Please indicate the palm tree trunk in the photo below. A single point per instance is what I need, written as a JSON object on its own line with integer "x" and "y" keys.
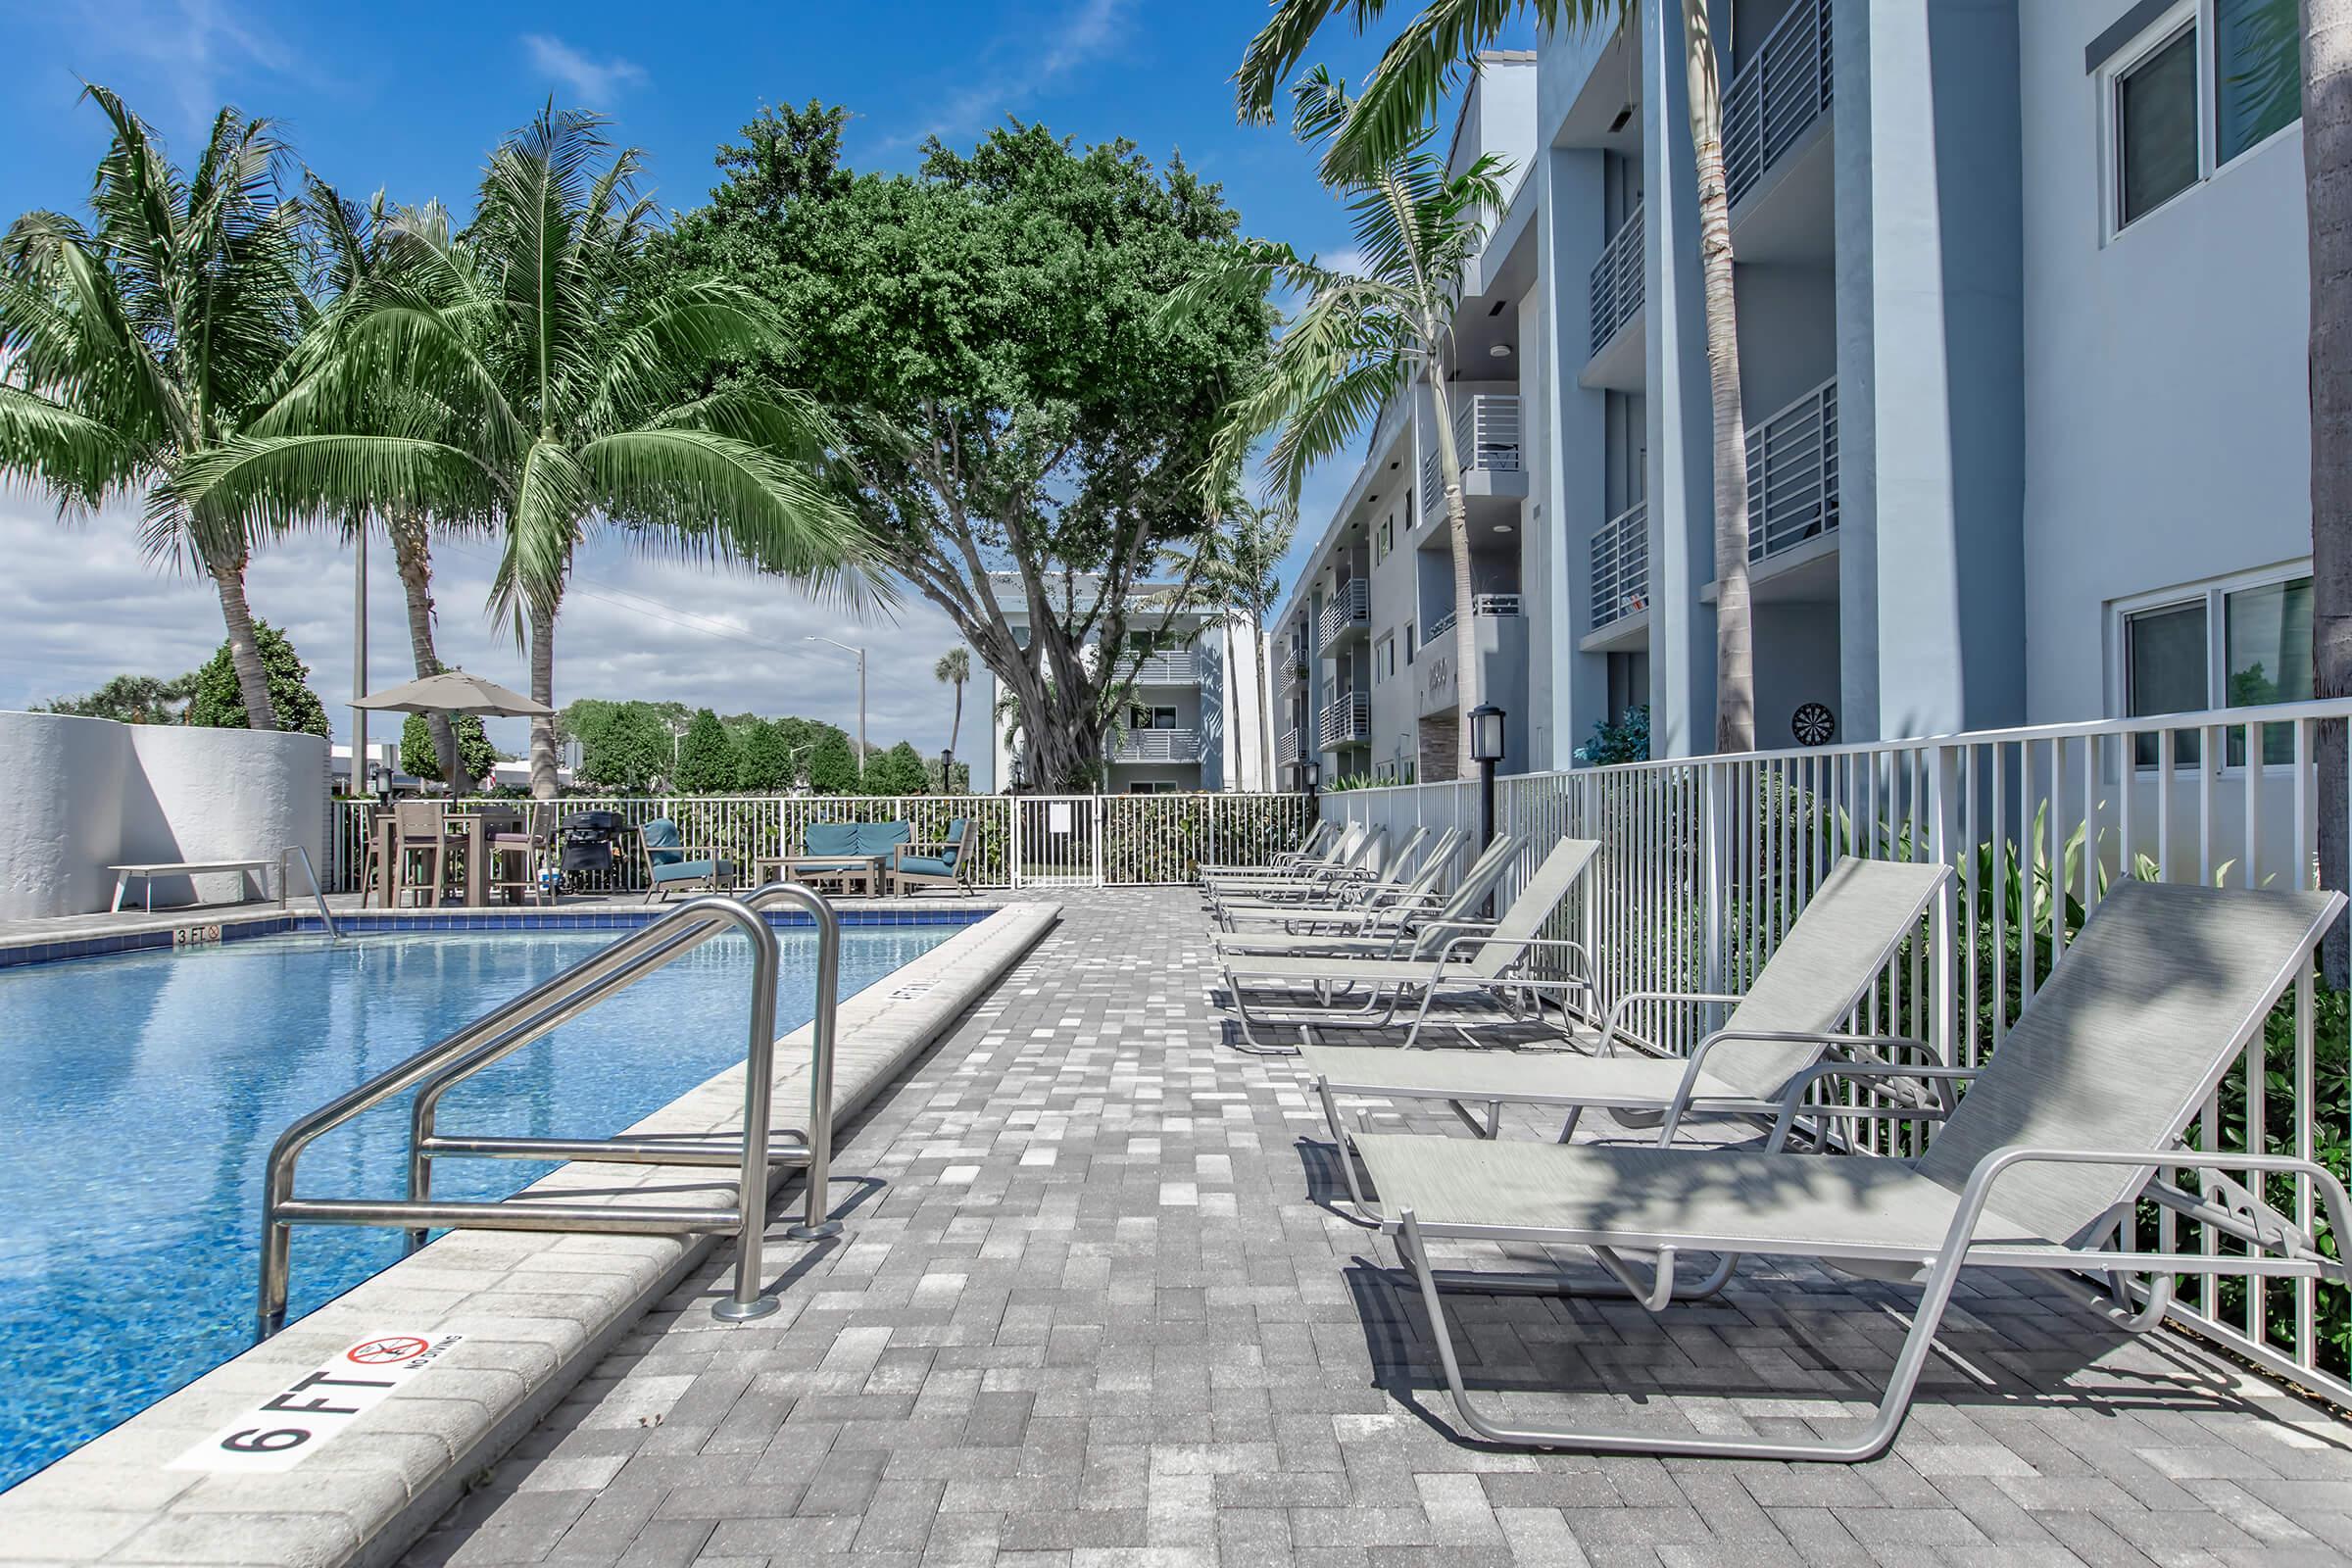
{"x": 543, "y": 691}
{"x": 2327, "y": 192}
{"x": 954, "y": 730}
{"x": 1734, "y": 645}
{"x": 244, "y": 649}
{"x": 1465, "y": 624}
{"x": 412, "y": 556}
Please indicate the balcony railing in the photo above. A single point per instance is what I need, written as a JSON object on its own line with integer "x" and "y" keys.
{"x": 1617, "y": 282}
{"x": 1158, "y": 746}
{"x": 1479, "y": 604}
{"x": 1178, "y": 668}
{"x": 1621, "y": 566}
{"x": 1792, "y": 473}
{"x": 1486, "y": 438}
{"x": 1783, "y": 91}
{"x": 1349, "y": 612}
{"x": 1286, "y": 750}
{"x": 1346, "y": 720}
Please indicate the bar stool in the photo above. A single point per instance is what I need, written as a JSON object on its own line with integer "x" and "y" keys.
{"x": 419, "y": 835}
{"x": 515, "y": 840}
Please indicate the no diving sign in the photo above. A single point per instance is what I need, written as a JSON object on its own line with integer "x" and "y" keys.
{"x": 312, "y": 1411}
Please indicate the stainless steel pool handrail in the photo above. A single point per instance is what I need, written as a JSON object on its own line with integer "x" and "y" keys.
{"x": 814, "y": 1148}
{"x": 532, "y": 1014}
{"x": 285, "y": 884}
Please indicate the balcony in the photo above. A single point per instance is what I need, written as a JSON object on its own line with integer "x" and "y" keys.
{"x": 1791, "y": 475}
{"x": 1479, "y": 604}
{"x": 1781, "y": 93}
{"x": 1157, "y": 746}
{"x": 1486, "y": 438}
{"x": 1348, "y": 615}
{"x": 1346, "y": 721}
{"x": 1621, "y": 566}
{"x": 1286, "y": 750}
{"x": 1617, "y": 282}
{"x": 1178, "y": 668}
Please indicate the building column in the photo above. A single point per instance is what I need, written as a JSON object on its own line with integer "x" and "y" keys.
{"x": 1930, "y": 368}
{"x": 1569, "y": 499}
{"x": 1680, "y": 420}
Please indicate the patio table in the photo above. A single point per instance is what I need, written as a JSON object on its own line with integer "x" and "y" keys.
{"x": 467, "y": 829}
{"x": 857, "y": 873}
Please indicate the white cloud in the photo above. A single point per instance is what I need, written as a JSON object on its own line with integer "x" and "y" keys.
{"x": 183, "y": 50}
{"x": 80, "y": 605}
{"x": 595, "y": 84}
{"x": 1083, "y": 34}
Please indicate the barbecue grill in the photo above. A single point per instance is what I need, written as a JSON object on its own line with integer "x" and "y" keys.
{"x": 588, "y": 840}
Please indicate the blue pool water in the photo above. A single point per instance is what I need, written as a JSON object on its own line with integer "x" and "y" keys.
{"x": 139, "y": 1096}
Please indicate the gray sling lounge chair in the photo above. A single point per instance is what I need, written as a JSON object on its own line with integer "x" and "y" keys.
{"x": 1404, "y": 927}
{"x": 1228, "y": 899}
{"x": 1494, "y": 960}
{"x": 1855, "y": 921}
{"x": 1412, "y": 874}
{"x": 2062, "y": 1135}
{"x": 1357, "y": 857}
{"x": 1319, "y": 837}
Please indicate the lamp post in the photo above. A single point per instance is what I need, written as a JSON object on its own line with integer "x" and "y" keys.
{"x": 946, "y": 771}
{"x": 861, "y": 652}
{"x": 1485, "y": 750}
{"x": 1020, "y": 771}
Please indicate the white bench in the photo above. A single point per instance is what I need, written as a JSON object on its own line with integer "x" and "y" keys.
{"x": 148, "y": 870}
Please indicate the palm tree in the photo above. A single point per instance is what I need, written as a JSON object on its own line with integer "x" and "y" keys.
{"x": 2327, "y": 87}
{"x": 954, "y": 669}
{"x": 359, "y": 243}
{"x": 1361, "y": 339}
{"x": 138, "y": 343}
{"x": 555, "y": 395}
{"x": 1437, "y": 46}
{"x": 1243, "y": 572}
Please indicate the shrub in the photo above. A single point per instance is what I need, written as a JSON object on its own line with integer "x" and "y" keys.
{"x": 219, "y": 704}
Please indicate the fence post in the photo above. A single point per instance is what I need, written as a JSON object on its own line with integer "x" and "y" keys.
{"x": 1100, "y": 815}
{"x": 1943, "y": 934}
{"x": 1714, "y": 863}
{"x": 1012, "y": 841}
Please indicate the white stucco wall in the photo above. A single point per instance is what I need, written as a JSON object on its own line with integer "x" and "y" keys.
{"x": 86, "y": 793}
{"x": 2167, "y": 418}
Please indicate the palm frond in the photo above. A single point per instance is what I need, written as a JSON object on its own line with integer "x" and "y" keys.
{"x": 275, "y": 483}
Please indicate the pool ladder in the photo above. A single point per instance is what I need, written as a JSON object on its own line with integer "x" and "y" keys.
{"x": 756, "y": 1156}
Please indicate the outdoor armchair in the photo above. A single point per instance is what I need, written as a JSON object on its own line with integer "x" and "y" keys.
{"x": 1473, "y": 956}
{"x": 1826, "y": 963}
{"x": 945, "y": 862}
{"x": 2046, "y": 1156}
{"x": 672, "y": 866}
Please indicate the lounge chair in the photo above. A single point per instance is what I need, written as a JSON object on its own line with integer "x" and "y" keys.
{"x": 1382, "y": 904}
{"x": 1318, "y": 839}
{"x": 946, "y": 862}
{"x": 1404, "y": 927}
{"x": 672, "y": 866}
{"x": 1784, "y": 1025}
{"x": 2043, "y": 1159}
{"x": 1357, "y": 857}
{"x": 1494, "y": 960}
{"x": 1226, "y": 903}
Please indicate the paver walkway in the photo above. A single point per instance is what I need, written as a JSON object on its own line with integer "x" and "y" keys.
{"x": 1089, "y": 1310}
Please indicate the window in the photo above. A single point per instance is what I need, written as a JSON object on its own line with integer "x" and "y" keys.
{"x": 2210, "y": 81}
{"x": 1409, "y": 508}
{"x": 1384, "y": 658}
{"x": 1410, "y": 647}
{"x": 1388, "y": 536}
{"x": 2241, "y": 643}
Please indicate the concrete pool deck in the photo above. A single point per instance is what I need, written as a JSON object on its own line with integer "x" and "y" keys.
{"x": 536, "y": 1311}
{"x": 1098, "y": 1315}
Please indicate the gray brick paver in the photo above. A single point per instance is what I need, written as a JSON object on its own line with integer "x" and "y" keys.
{"x": 1090, "y": 1311}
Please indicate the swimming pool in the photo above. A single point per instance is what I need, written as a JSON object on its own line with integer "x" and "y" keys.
{"x": 139, "y": 1096}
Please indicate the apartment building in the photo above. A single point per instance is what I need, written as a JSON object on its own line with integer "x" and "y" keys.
{"x": 1195, "y": 719}
{"x": 2022, "y": 326}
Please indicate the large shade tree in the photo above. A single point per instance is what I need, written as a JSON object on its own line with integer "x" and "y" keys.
{"x": 137, "y": 342}
{"x": 1363, "y": 336}
{"x": 555, "y": 386}
{"x": 1436, "y": 47}
{"x": 1032, "y": 432}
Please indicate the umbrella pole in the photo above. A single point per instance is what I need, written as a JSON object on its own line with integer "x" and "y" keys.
{"x": 359, "y": 660}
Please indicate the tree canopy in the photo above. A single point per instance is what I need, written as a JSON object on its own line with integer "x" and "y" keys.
{"x": 132, "y": 699}
{"x": 1030, "y": 425}
{"x": 219, "y": 702}
{"x": 708, "y": 759}
{"x": 421, "y": 757}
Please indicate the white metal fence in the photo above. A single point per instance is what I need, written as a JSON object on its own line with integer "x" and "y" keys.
{"x": 1706, "y": 862}
{"x": 1021, "y": 841}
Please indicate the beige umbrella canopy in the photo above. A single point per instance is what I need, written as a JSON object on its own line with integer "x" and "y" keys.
{"x": 453, "y": 691}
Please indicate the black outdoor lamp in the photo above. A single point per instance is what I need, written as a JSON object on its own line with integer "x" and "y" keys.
{"x": 1311, "y": 776}
{"x": 946, "y": 771}
{"x": 1485, "y": 750}
{"x": 1020, "y": 774}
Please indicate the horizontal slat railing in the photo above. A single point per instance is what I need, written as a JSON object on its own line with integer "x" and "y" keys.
{"x": 1706, "y": 862}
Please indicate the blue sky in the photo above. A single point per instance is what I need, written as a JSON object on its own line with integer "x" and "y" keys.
{"x": 411, "y": 97}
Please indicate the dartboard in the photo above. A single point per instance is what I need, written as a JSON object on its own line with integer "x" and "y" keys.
{"x": 1814, "y": 725}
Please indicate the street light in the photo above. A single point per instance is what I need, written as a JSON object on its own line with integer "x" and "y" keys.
{"x": 1020, "y": 774}
{"x": 946, "y": 771}
{"x": 861, "y": 652}
{"x": 1485, "y": 750}
{"x": 1311, "y": 776}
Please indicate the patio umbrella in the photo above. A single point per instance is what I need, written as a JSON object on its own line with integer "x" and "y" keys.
{"x": 453, "y": 691}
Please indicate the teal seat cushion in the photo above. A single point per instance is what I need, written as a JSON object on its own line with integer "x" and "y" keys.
{"x": 954, "y": 840}
{"x": 688, "y": 871}
{"x": 880, "y": 838}
{"x": 831, "y": 838}
{"x": 661, "y": 843}
{"x": 925, "y": 865}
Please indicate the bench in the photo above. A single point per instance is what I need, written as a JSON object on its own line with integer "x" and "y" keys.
{"x": 148, "y": 870}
